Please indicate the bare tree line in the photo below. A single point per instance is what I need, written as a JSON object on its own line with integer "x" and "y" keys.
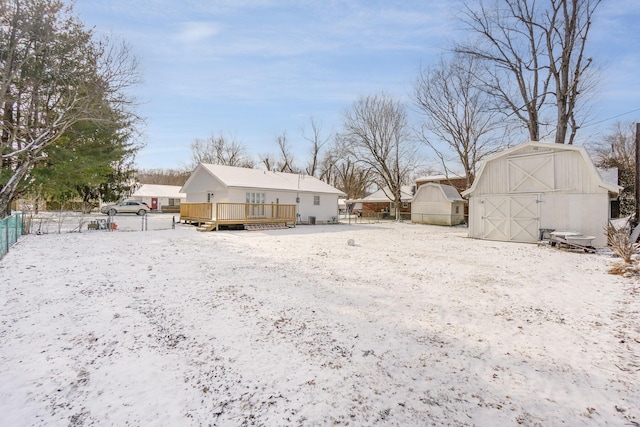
{"x": 523, "y": 66}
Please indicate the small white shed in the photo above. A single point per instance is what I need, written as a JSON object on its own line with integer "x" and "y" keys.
{"x": 437, "y": 204}
{"x": 539, "y": 186}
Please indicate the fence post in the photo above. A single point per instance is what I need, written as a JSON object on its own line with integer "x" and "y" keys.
{"x": 6, "y": 234}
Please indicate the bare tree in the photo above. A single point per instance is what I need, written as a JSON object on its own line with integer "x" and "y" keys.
{"x": 535, "y": 56}
{"x": 376, "y": 133}
{"x": 339, "y": 170}
{"x": 618, "y": 150}
{"x": 268, "y": 161}
{"x": 352, "y": 179}
{"x": 284, "y": 161}
{"x": 52, "y": 76}
{"x": 457, "y": 113}
{"x": 220, "y": 150}
{"x": 318, "y": 142}
{"x": 163, "y": 176}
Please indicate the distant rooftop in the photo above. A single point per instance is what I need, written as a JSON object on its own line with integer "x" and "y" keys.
{"x": 442, "y": 177}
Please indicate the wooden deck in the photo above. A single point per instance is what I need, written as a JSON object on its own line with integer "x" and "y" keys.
{"x": 244, "y": 214}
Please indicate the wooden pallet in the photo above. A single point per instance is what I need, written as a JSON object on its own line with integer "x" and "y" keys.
{"x": 560, "y": 242}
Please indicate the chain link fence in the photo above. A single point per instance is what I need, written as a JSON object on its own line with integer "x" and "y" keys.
{"x": 11, "y": 228}
{"x": 77, "y": 222}
{"x": 432, "y": 219}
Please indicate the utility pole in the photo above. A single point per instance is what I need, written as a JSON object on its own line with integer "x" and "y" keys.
{"x": 636, "y": 220}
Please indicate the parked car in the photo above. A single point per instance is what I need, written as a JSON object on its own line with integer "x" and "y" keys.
{"x": 128, "y": 206}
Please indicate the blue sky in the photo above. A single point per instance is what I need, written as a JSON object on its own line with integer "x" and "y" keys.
{"x": 253, "y": 69}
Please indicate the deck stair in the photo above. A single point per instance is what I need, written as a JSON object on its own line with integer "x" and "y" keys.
{"x": 207, "y": 226}
{"x": 260, "y": 227}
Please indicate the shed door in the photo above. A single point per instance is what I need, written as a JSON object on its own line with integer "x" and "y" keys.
{"x": 524, "y": 219}
{"x": 511, "y": 218}
{"x": 495, "y": 218}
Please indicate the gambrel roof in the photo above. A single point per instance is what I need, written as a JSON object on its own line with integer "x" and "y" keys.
{"x": 449, "y": 192}
{"x": 236, "y": 177}
{"x": 530, "y": 148}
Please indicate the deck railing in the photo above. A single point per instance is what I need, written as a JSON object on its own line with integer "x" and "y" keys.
{"x": 254, "y": 213}
{"x": 238, "y": 213}
{"x": 195, "y": 212}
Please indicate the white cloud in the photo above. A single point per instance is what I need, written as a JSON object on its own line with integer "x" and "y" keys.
{"x": 194, "y": 32}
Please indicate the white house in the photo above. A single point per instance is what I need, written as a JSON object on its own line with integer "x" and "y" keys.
{"x": 314, "y": 200}
{"x": 159, "y": 197}
{"x": 437, "y": 204}
{"x": 539, "y": 186}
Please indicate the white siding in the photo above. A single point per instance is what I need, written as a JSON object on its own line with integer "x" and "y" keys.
{"x": 569, "y": 191}
{"x": 203, "y": 184}
{"x": 431, "y": 206}
{"x": 326, "y": 211}
{"x": 584, "y": 213}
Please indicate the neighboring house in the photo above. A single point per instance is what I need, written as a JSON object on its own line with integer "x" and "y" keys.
{"x": 314, "y": 200}
{"x": 381, "y": 201}
{"x": 612, "y": 176}
{"x": 160, "y": 197}
{"x": 437, "y": 204}
{"x": 539, "y": 186}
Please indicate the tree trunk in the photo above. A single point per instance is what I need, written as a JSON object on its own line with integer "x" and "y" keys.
{"x": 9, "y": 189}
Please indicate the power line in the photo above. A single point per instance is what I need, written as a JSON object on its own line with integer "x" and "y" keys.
{"x": 610, "y": 118}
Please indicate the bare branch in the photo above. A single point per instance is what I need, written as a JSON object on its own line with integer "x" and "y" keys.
{"x": 534, "y": 56}
{"x": 457, "y": 118}
{"x": 376, "y": 133}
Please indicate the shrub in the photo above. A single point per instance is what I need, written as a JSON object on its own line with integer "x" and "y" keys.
{"x": 619, "y": 240}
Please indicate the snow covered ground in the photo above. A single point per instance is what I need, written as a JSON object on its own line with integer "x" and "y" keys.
{"x": 408, "y": 325}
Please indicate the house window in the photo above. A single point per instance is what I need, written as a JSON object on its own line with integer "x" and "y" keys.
{"x": 172, "y": 202}
{"x": 316, "y": 200}
{"x": 257, "y": 204}
{"x": 405, "y": 205}
{"x": 255, "y": 197}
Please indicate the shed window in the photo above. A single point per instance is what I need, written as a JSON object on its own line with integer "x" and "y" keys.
{"x": 316, "y": 200}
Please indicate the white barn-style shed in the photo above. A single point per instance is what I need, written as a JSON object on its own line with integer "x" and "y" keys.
{"x": 437, "y": 204}
{"x": 539, "y": 186}
{"x": 314, "y": 200}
